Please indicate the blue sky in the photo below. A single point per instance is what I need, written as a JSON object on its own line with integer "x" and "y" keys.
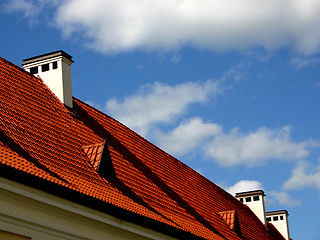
{"x": 231, "y": 88}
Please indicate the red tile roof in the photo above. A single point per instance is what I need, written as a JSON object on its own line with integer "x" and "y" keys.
{"x": 41, "y": 138}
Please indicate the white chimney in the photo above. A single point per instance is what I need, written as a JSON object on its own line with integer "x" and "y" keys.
{"x": 55, "y": 70}
{"x": 280, "y": 220}
{"x": 255, "y": 201}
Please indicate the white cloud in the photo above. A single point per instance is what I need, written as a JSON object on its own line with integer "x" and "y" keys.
{"x": 299, "y": 63}
{"x": 125, "y": 25}
{"x": 114, "y": 26}
{"x": 157, "y": 105}
{"x": 303, "y": 175}
{"x": 188, "y": 136}
{"x": 160, "y": 103}
{"x": 28, "y": 8}
{"x": 255, "y": 148}
{"x": 283, "y": 198}
{"x": 244, "y": 186}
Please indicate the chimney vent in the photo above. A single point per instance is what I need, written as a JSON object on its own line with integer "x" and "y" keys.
{"x": 255, "y": 201}
{"x": 55, "y": 70}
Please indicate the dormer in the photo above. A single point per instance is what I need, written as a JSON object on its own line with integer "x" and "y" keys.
{"x": 255, "y": 201}
{"x": 55, "y": 70}
{"x": 100, "y": 159}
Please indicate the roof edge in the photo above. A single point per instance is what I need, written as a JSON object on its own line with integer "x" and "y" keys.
{"x": 93, "y": 203}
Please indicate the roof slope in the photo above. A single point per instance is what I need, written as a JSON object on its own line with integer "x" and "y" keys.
{"x": 41, "y": 139}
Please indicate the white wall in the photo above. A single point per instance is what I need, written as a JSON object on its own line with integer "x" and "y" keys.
{"x": 281, "y": 224}
{"x": 32, "y": 213}
{"x": 257, "y": 206}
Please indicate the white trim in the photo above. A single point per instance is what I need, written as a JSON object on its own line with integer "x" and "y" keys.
{"x": 38, "y": 227}
{"x": 31, "y": 198}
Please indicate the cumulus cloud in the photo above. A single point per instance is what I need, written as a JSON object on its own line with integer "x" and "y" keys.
{"x": 283, "y": 198}
{"x": 189, "y": 135}
{"x": 156, "y": 105}
{"x": 303, "y": 175}
{"x": 124, "y": 25}
{"x": 244, "y": 186}
{"x": 254, "y": 148}
{"x": 160, "y": 103}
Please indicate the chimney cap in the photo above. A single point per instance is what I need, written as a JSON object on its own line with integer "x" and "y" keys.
{"x": 271, "y": 213}
{"x": 47, "y": 56}
{"x": 250, "y": 193}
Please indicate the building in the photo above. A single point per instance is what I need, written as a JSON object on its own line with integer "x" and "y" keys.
{"x": 69, "y": 171}
{"x": 255, "y": 201}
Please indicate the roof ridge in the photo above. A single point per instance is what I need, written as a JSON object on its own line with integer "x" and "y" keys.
{"x": 92, "y": 145}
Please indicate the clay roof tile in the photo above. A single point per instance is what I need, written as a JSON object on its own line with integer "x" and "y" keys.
{"x": 40, "y": 137}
